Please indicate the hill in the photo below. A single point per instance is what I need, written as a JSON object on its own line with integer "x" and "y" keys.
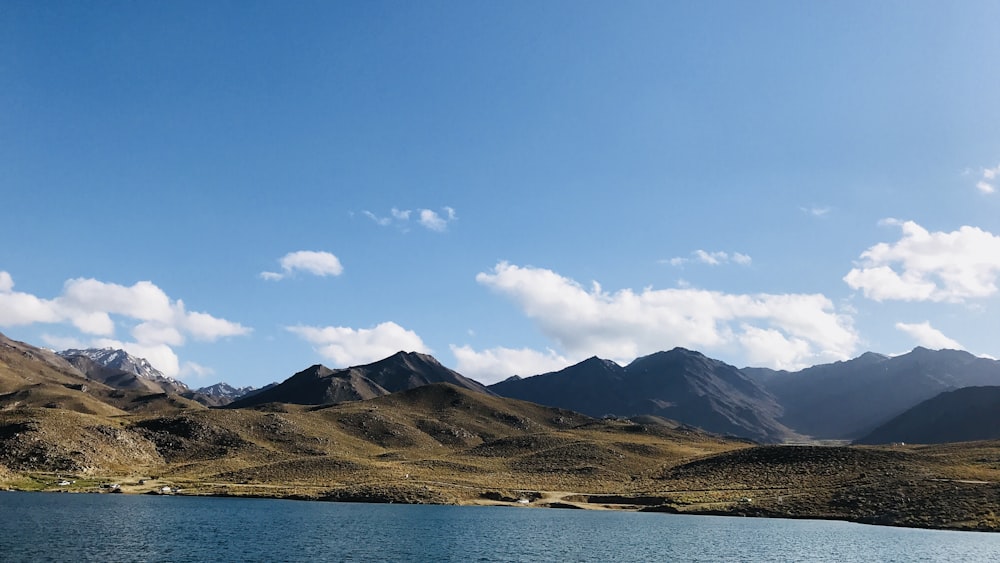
{"x": 319, "y": 384}
{"x": 962, "y": 415}
{"x": 849, "y": 399}
{"x": 34, "y": 377}
{"x": 680, "y": 384}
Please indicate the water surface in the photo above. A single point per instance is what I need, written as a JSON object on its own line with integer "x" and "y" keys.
{"x": 85, "y": 527}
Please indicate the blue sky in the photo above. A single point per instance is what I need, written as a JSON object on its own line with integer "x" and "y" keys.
{"x": 238, "y": 190}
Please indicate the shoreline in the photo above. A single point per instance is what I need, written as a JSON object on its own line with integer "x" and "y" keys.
{"x": 557, "y": 500}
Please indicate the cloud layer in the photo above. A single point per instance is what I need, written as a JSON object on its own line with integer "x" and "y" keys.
{"x": 313, "y": 262}
{"x": 924, "y": 266}
{"x": 350, "y": 347}
{"x": 782, "y": 331}
{"x": 156, "y": 323}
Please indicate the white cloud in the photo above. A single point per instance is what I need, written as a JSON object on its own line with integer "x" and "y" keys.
{"x": 427, "y": 218}
{"x": 987, "y": 184}
{"x": 625, "y": 324}
{"x": 772, "y": 347}
{"x": 741, "y": 259}
{"x": 928, "y": 336}
{"x": 6, "y": 282}
{"x": 924, "y": 266}
{"x": 383, "y": 221}
{"x": 711, "y": 258}
{"x": 435, "y": 222}
{"x": 717, "y": 258}
{"x": 17, "y": 308}
{"x": 346, "y": 346}
{"x": 497, "y": 364}
{"x": 313, "y": 262}
{"x": 95, "y": 308}
{"x": 206, "y": 327}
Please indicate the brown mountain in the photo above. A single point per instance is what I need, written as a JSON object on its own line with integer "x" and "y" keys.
{"x": 682, "y": 385}
{"x": 318, "y": 384}
{"x": 34, "y": 377}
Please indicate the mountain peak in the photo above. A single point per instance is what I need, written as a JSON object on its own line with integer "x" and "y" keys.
{"x": 118, "y": 359}
{"x": 319, "y": 384}
{"x": 600, "y": 362}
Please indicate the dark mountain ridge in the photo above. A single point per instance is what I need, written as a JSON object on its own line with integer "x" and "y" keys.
{"x": 849, "y": 399}
{"x": 680, "y": 384}
{"x": 962, "y": 415}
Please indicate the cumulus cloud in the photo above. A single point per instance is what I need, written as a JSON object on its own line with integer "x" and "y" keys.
{"x": 496, "y": 364}
{"x": 313, "y": 262}
{"x": 987, "y": 183}
{"x": 626, "y": 324}
{"x": 18, "y": 308}
{"x": 928, "y": 336}
{"x": 346, "y": 346}
{"x": 427, "y": 218}
{"x": 717, "y": 258}
{"x": 96, "y": 309}
{"x": 924, "y": 266}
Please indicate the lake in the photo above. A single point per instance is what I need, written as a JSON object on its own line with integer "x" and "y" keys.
{"x": 90, "y": 527}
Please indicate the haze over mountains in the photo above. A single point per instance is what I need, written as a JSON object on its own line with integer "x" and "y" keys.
{"x": 844, "y": 400}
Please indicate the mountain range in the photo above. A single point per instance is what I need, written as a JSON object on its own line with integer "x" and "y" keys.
{"x": 438, "y": 442}
{"x": 848, "y": 400}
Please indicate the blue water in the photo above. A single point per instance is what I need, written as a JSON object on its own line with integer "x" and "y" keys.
{"x": 78, "y": 528}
